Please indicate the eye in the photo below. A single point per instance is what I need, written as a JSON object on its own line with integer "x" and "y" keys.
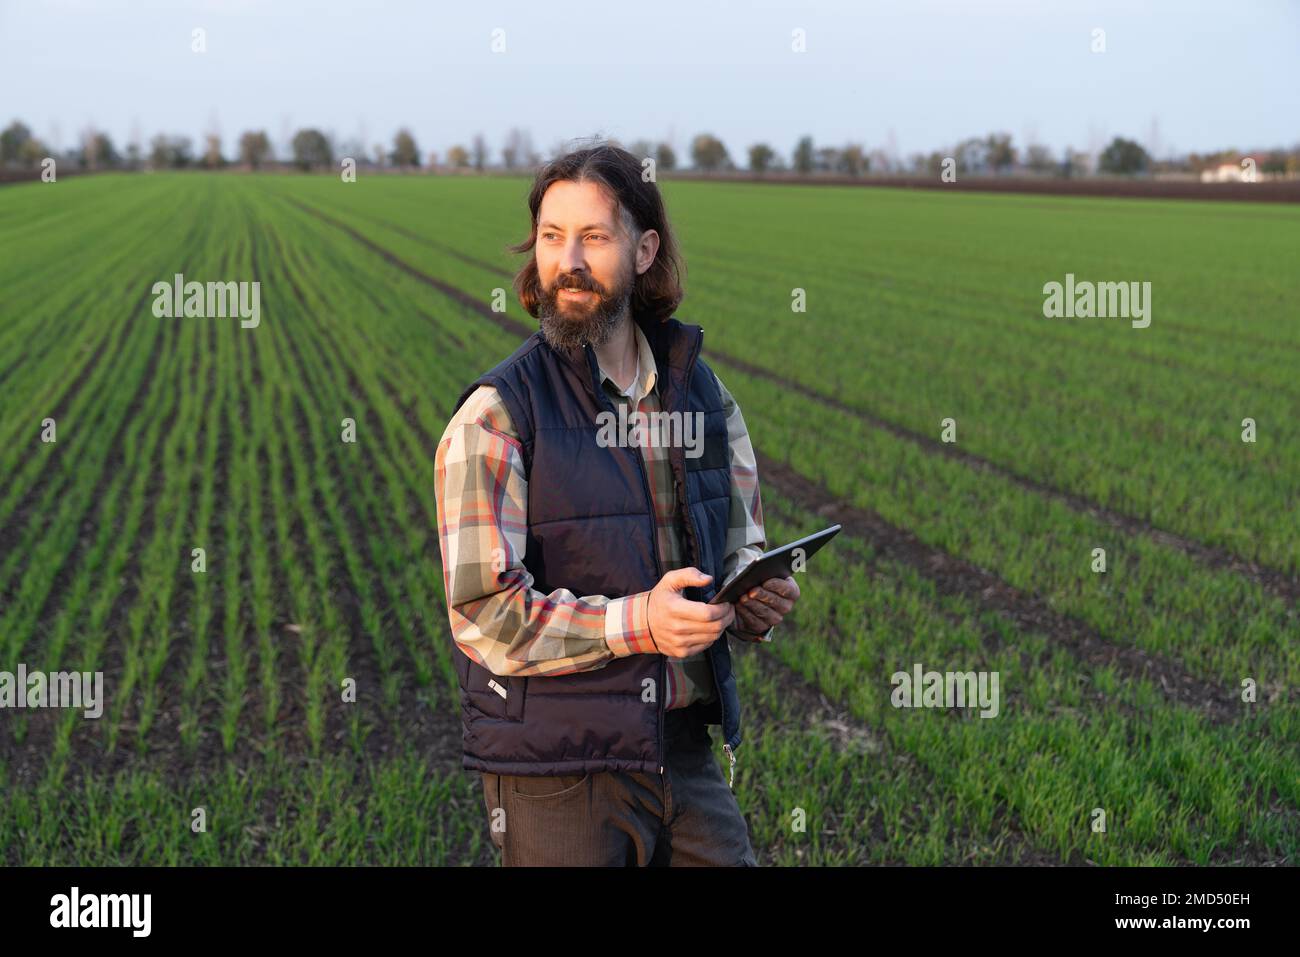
{"x": 547, "y": 235}
{"x": 596, "y": 236}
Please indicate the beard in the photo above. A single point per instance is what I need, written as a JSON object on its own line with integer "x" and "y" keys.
{"x": 568, "y": 323}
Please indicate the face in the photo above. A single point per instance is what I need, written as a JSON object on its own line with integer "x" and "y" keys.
{"x": 586, "y": 264}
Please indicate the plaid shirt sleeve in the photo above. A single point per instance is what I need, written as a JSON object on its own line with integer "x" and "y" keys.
{"x": 497, "y": 617}
{"x": 745, "y": 537}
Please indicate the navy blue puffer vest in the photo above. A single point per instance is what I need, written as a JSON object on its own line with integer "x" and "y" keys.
{"x": 591, "y": 529}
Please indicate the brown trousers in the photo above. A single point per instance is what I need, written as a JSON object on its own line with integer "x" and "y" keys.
{"x": 685, "y": 817}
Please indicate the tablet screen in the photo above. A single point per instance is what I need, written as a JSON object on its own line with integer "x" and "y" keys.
{"x": 777, "y": 563}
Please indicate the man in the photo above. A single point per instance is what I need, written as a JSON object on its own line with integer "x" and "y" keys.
{"x": 579, "y": 558}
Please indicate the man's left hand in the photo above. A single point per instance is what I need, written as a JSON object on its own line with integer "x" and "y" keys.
{"x": 764, "y": 606}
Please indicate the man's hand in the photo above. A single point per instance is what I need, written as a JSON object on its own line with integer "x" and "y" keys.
{"x": 681, "y": 627}
{"x": 764, "y": 606}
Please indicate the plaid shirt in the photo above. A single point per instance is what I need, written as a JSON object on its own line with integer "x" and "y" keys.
{"x": 509, "y": 627}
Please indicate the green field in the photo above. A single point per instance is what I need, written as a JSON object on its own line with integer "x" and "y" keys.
{"x": 1121, "y": 690}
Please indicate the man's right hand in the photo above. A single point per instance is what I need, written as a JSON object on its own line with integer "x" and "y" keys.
{"x": 681, "y": 627}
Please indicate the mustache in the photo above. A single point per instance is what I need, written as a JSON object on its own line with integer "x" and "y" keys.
{"x": 577, "y": 281}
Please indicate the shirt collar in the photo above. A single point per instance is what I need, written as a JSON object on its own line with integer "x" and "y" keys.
{"x": 646, "y": 373}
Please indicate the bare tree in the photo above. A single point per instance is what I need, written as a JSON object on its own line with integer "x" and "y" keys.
{"x": 97, "y": 150}
{"x": 169, "y": 152}
{"x": 212, "y": 158}
{"x": 1001, "y": 154}
{"x": 518, "y": 150}
{"x": 12, "y": 141}
{"x": 853, "y": 160}
{"x": 642, "y": 149}
{"x": 665, "y": 157}
{"x": 405, "y": 152}
{"x": 708, "y": 152}
{"x": 135, "y": 149}
{"x": 971, "y": 155}
{"x": 826, "y": 159}
{"x": 803, "y": 155}
{"x": 1125, "y": 157}
{"x": 1039, "y": 159}
{"x": 254, "y": 148}
{"x": 355, "y": 148}
{"x": 312, "y": 148}
{"x": 760, "y": 158}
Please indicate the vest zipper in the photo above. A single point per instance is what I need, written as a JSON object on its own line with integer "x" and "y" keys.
{"x": 660, "y": 698}
{"x": 594, "y": 370}
{"x": 663, "y": 661}
{"x": 680, "y": 491}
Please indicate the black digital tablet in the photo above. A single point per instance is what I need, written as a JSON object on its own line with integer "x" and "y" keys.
{"x": 778, "y": 563}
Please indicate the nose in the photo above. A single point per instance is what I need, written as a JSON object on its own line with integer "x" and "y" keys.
{"x": 572, "y": 258}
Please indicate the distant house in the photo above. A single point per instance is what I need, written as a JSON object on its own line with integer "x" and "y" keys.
{"x": 1224, "y": 173}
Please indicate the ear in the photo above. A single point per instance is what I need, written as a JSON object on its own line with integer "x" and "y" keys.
{"x": 646, "y": 250}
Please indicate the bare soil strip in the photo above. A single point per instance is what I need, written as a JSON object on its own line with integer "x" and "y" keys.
{"x": 1274, "y": 580}
{"x": 953, "y": 575}
{"x": 415, "y": 721}
{"x": 848, "y": 734}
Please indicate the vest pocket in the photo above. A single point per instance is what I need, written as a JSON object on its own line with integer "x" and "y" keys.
{"x": 516, "y": 691}
{"x": 492, "y": 695}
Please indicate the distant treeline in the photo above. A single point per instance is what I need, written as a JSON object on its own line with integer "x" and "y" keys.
{"x": 310, "y": 148}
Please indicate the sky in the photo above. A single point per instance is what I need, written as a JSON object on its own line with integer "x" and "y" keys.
{"x": 908, "y": 76}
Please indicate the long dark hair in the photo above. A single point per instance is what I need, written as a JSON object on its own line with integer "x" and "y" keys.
{"x": 657, "y": 292}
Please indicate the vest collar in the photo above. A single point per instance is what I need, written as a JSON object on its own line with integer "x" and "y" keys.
{"x": 675, "y": 346}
